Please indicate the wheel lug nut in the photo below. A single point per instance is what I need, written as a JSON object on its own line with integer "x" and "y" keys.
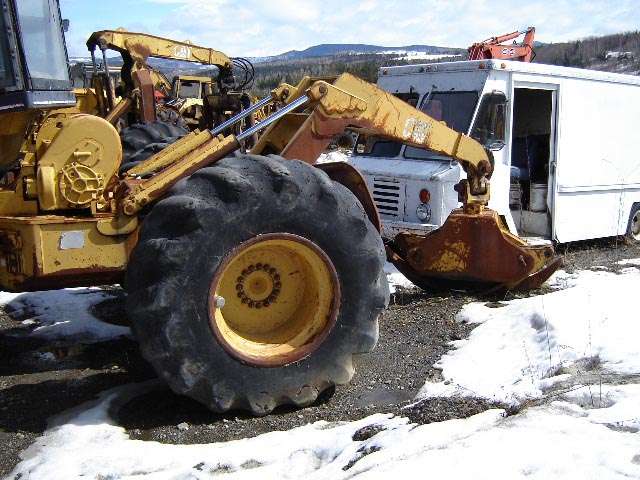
{"x": 278, "y": 285}
{"x": 276, "y": 277}
{"x": 258, "y": 266}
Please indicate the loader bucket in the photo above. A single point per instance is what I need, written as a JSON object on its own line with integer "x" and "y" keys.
{"x": 472, "y": 251}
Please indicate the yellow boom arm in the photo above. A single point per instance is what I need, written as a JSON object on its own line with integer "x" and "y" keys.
{"x": 141, "y": 46}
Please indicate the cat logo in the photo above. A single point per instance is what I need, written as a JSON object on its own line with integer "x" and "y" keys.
{"x": 182, "y": 51}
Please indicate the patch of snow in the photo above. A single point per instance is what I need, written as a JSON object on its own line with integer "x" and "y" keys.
{"x": 521, "y": 351}
{"x": 536, "y": 444}
{"x": 630, "y": 261}
{"x": 64, "y": 314}
{"x": 416, "y": 55}
{"x": 396, "y": 279}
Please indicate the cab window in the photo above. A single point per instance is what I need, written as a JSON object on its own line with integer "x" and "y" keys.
{"x": 43, "y": 44}
{"x": 6, "y": 70}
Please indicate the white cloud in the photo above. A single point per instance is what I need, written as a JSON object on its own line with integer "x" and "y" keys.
{"x": 254, "y": 28}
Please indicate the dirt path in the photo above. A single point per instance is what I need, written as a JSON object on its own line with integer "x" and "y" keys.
{"x": 37, "y": 382}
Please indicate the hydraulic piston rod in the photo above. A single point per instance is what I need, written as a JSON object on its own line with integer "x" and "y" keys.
{"x": 243, "y": 114}
{"x": 272, "y": 118}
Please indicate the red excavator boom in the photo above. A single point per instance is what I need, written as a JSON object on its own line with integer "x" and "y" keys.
{"x": 494, "y": 48}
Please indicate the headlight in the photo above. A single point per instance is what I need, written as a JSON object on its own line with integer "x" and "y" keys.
{"x": 423, "y": 212}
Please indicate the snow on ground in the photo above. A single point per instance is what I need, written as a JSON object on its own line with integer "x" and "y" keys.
{"x": 578, "y": 342}
{"x": 560, "y": 440}
{"x": 63, "y": 314}
{"x": 630, "y": 261}
{"x": 416, "y": 55}
{"x": 395, "y": 278}
{"x": 528, "y": 346}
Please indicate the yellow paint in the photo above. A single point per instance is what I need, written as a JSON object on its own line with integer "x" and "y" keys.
{"x": 454, "y": 259}
{"x": 278, "y": 297}
{"x": 50, "y": 245}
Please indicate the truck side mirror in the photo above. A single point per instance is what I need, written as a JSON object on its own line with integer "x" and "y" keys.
{"x": 65, "y": 24}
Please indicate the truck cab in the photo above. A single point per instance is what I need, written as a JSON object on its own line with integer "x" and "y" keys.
{"x": 32, "y": 76}
{"x": 414, "y": 188}
{"x": 563, "y": 142}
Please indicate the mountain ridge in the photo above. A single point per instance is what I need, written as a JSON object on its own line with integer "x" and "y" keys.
{"x": 336, "y": 49}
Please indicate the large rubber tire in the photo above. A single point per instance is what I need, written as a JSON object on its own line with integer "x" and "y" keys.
{"x": 142, "y": 140}
{"x": 182, "y": 244}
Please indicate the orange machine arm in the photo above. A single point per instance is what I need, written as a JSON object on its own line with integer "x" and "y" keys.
{"x": 494, "y": 48}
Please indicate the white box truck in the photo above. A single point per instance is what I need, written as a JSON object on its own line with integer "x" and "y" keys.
{"x": 565, "y": 141}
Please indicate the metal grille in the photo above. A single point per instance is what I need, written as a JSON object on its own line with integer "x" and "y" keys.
{"x": 388, "y": 196}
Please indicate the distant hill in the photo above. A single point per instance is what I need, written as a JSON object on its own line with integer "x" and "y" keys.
{"x": 612, "y": 53}
{"x": 340, "y": 49}
{"x": 615, "y": 53}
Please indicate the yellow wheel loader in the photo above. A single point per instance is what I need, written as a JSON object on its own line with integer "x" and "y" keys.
{"x": 252, "y": 279}
{"x": 218, "y": 97}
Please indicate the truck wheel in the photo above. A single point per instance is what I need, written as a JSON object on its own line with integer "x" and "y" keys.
{"x": 254, "y": 282}
{"x": 633, "y": 230}
{"x": 142, "y": 140}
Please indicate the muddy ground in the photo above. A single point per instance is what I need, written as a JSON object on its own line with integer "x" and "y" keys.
{"x": 38, "y": 381}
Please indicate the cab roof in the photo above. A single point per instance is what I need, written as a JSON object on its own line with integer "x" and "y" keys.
{"x": 510, "y": 66}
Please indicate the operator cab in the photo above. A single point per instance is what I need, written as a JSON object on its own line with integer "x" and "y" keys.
{"x": 34, "y": 71}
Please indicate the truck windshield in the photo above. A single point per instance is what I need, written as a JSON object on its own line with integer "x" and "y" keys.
{"x": 373, "y": 146}
{"x": 6, "y": 74}
{"x": 454, "y": 108}
{"x": 43, "y": 44}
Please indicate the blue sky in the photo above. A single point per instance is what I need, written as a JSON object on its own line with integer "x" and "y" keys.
{"x": 257, "y": 28}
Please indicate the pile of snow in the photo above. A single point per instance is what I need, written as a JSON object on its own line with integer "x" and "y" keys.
{"x": 529, "y": 346}
{"x": 63, "y": 314}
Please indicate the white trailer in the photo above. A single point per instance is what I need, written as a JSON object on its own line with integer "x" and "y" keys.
{"x": 564, "y": 140}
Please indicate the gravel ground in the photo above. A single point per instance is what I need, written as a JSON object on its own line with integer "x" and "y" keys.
{"x": 38, "y": 381}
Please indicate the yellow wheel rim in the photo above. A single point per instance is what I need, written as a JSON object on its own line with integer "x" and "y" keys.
{"x": 274, "y": 299}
